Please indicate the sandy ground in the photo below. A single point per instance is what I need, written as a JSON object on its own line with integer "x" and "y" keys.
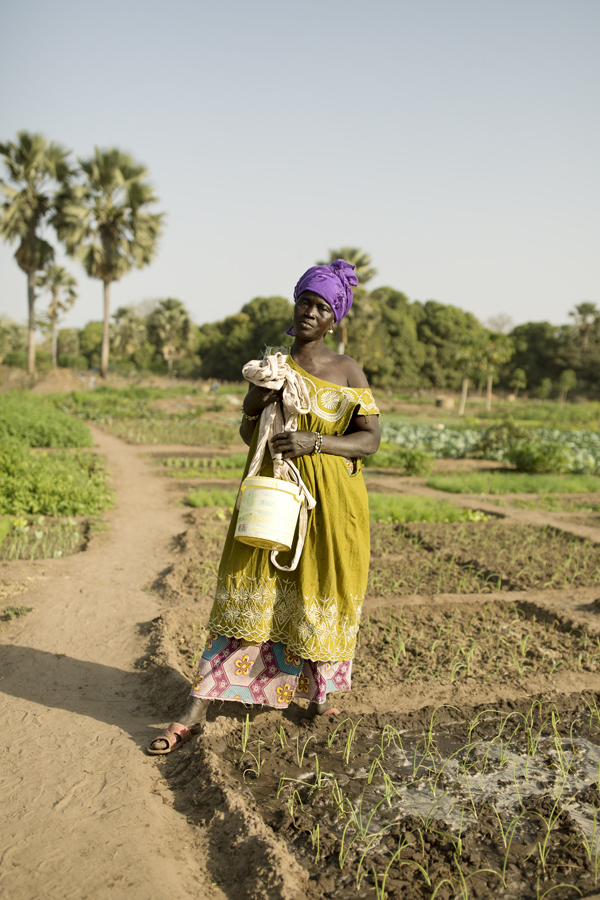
{"x": 85, "y": 812}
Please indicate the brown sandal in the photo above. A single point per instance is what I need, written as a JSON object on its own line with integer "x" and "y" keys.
{"x": 175, "y": 735}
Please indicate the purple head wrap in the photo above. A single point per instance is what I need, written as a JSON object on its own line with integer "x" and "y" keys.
{"x": 333, "y": 283}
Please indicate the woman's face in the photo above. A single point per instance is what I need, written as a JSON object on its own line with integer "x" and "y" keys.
{"x": 313, "y": 316}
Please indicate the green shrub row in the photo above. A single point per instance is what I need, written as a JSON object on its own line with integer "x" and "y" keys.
{"x": 28, "y": 419}
{"x": 57, "y": 483}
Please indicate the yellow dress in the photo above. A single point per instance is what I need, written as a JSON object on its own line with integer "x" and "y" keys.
{"x": 313, "y": 611}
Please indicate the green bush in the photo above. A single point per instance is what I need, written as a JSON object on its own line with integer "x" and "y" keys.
{"x": 497, "y": 439}
{"x": 415, "y": 460}
{"x": 540, "y": 457}
{"x": 72, "y": 361}
{"x": 50, "y": 483}
{"x": 34, "y": 422}
{"x": 18, "y": 358}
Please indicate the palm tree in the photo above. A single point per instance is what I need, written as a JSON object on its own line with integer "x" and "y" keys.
{"x": 105, "y": 222}
{"x": 61, "y": 286}
{"x": 361, "y": 261}
{"x": 34, "y": 167}
{"x": 169, "y": 327}
{"x": 363, "y": 270}
{"x": 585, "y": 315}
{"x": 499, "y": 350}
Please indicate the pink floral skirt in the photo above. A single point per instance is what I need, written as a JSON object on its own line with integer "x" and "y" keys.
{"x": 270, "y": 674}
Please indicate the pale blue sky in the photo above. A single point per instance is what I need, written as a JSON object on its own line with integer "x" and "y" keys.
{"x": 456, "y": 140}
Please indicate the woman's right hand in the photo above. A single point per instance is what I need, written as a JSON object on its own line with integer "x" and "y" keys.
{"x": 257, "y": 399}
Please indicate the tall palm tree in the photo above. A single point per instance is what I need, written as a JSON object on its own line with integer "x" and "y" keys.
{"x": 105, "y": 222}
{"x": 34, "y": 167}
{"x": 363, "y": 270}
{"x": 169, "y": 327}
{"x": 61, "y": 285}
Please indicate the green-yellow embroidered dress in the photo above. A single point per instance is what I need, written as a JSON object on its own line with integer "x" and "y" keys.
{"x": 310, "y": 615}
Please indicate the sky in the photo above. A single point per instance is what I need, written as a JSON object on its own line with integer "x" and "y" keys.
{"x": 456, "y": 142}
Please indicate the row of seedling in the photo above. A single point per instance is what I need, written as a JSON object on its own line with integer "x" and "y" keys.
{"x": 444, "y": 783}
{"x": 40, "y": 537}
{"x": 497, "y": 639}
{"x": 228, "y": 461}
{"x": 525, "y": 556}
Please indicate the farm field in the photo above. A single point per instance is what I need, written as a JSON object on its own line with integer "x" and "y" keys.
{"x": 464, "y": 762}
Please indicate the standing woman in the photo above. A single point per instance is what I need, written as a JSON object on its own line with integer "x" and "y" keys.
{"x": 275, "y": 635}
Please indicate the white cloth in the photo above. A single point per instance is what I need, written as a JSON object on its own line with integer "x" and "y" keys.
{"x": 274, "y": 373}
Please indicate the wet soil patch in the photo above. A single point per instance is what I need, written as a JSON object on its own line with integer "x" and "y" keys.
{"x": 443, "y": 802}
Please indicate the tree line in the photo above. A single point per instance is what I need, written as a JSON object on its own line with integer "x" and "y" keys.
{"x": 101, "y": 208}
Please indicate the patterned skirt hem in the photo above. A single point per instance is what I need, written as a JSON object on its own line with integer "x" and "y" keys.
{"x": 269, "y": 673}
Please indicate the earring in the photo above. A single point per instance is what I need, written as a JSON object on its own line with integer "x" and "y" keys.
{"x": 330, "y": 331}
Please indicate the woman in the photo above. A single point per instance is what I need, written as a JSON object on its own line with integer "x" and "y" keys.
{"x": 278, "y": 634}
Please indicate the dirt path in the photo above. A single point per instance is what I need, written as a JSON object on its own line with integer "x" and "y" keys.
{"x": 85, "y": 812}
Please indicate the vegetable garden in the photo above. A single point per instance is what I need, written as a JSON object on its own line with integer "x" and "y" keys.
{"x": 465, "y": 762}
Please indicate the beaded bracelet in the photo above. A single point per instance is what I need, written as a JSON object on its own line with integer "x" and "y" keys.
{"x": 318, "y": 442}
{"x": 250, "y": 418}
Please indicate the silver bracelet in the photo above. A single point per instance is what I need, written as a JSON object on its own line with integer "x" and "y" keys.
{"x": 318, "y": 442}
{"x": 250, "y": 418}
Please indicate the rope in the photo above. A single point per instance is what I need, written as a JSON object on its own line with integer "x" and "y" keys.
{"x": 274, "y": 373}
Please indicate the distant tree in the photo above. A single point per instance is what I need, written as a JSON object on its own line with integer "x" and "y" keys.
{"x": 34, "y": 169}
{"x": 566, "y": 383}
{"x": 585, "y": 315}
{"x": 13, "y": 336}
{"x": 441, "y": 328}
{"x": 226, "y": 346}
{"x": 499, "y": 350}
{"x": 502, "y": 323}
{"x": 470, "y": 355}
{"x": 361, "y": 261}
{"x": 128, "y": 331}
{"x": 538, "y": 349}
{"x": 105, "y": 222}
{"x": 518, "y": 381}
{"x": 90, "y": 342}
{"x": 169, "y": 327}
{"x": 364, "y": 271}
{"x": 60, "y": 284}
{"x": 68, "y": 341}
{"x": 545, "y": 388}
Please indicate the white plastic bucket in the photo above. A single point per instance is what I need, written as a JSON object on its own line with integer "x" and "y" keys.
{"x": 268, "y": 513}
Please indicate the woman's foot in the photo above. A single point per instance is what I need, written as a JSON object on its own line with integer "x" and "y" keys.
{"x": 192, "y": 722}
{"x": 318, "y": 709}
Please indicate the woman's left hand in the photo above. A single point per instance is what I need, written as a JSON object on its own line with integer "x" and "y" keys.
{"x": 293, "y": 443}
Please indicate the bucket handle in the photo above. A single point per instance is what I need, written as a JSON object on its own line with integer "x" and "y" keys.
{"x": 302, "y": 528}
